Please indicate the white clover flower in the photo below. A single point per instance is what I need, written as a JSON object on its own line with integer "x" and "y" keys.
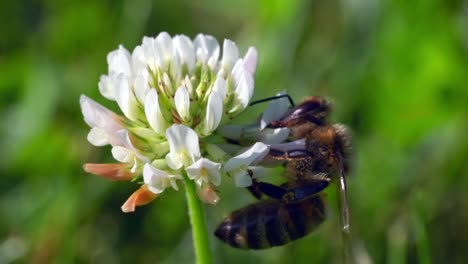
{"x": 183, "y": 144}
{"x": 158, "y": 180}
{"x": 174, "y": 94}
{"x": 205, "y": 171}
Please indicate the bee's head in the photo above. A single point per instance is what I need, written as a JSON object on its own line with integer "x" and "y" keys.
{"x": 321, "y": 143}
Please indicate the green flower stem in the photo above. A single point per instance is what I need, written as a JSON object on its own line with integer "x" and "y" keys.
{"x": 201, "y": 242}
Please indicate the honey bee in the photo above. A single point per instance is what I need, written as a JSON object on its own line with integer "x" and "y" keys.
{"x": 294, "y": 209}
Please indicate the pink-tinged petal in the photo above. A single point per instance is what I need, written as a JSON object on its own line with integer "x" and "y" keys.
{"x": 141, "y": 196}
{"x": 250, "y": 60}
{"x": 96, "y": 115}
{"x": 208, "y": 195}
{"x": 110, "y": 171}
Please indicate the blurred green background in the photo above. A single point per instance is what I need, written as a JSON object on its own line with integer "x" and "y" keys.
{"x": 396, "y": 70}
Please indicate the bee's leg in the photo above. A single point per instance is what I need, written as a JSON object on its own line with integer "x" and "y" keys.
{"x": 289, "y": 195}
{"x": 293, "y": 154}
{"x": 268, "y": 189}
{"x": 254, "y": 191}
{"x": 304, "y": 191}
{"x": 263, "y": 188}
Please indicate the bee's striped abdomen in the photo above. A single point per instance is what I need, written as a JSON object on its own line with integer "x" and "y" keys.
{"x": 270, "y": 223}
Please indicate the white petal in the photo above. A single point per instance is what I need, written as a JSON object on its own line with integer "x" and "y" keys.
{"x": 194, "y": 170}
{"x": 153, "y": 113}
{"x": 173, "y": 184}
{"x": 94, "y": 114}
{"x": 182, "y": 103}
{"x": 166, "y": 48}
{"x": 273, "y": 136}
{"x": 168, "y": 83}
{"x": 243, "y": 92}
{"x": 97, "y": 137}
{"x": 230, "y": 55}
{"x": 173, "y": 161}
{"x": 188, "y": 85}
{"x": 275, "y": 110}
{"x": 202, "y": 166}
{"x": 219, "y": 86}
{"x": 141, "y": 85}
{"x": 184, "y": 48}
{"x": 139, "y": 60}
{"x": 182, "y": 138}
{"x": 213, "y": 61}
{"x": 182, "y": 141}
{"x": 238, "y": 71}
{"x": 231, "y": 131}
{"x": 120, "y": 61}
{"x": 214, "y": 112}
{"x": 214, "y": 176}
{"x": 158, "y": 180}
{"x": 122, "y": 154}
{"x": 148, "y": 53}
{"x": 127, "y": 140}
{"x": 175, "y": 66}
{"x": 242, "y": 179}
{"x": 250, "y": 60}
{"x": 155, "y": 179}
{"x": 252, "y": 155}
{"x": 207, "y": 49}
{"x": 125, "y": 98}
{"x": 106, "y": 87}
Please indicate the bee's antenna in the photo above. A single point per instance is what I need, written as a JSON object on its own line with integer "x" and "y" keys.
{"x": 274, "y": 98}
